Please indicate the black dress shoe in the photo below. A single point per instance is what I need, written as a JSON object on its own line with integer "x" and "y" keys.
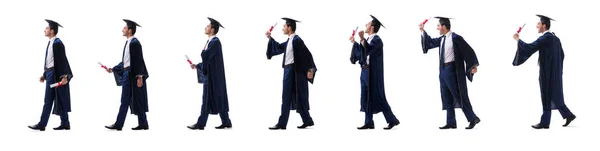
{"x": 277, "y": 127}
{"x": 37, "y": 127}
{"x": 391, "y": 125}
{"x": 140, "y": 128}
{"x": 538, "y": 126}
{"x": 63, "y": 127}
{"x": 364, "y": 127}
{"x": 448, "y": 127}
{"x": 112, "y": 127}
{"x": 223, "y": 126}
{"x": 304, "y": 126}
{"x": 473, "y": 123}
{"x": 569, "y": 120}
{"x": 196, "y": 127}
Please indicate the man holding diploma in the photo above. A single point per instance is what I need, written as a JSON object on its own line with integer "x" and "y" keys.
{"x": 551, "y": 69}
{"x": 56, "y": 69}
{"x": 214, "y": 95}
{"x": 369, "y": 54}
{"x": 298, "y": 69}
{"x": 133, "y": 75}
{"x": 457, "y": 61}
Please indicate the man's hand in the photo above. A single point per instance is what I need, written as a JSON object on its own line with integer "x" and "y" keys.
{"x": 140, "y": 82}
{"x": 474, "y": 70}
{"x": 109, "y": 70}
{"x": 421, "y": 25}
{"x": 268, "y": 34}
{"x": 516, "y": 37}
{"x": 310, "y": 74}
{"x": 361, "y": 34}
{"x": 42, "y": 79}
{"x": 193, "y": 66}
{"x": 352, "y": 39}
{"x": 64, "y": 80}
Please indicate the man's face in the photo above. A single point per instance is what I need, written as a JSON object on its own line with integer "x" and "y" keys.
{"x": 48, "y": 31}
{"x": 540, "y": 27}
{"x": 286, "y": 29}
{"x": 126, "y": 31}
{"x": 368, "y": 27}
{"x": 440, "y": 28}
{"x": 207, "y": 29}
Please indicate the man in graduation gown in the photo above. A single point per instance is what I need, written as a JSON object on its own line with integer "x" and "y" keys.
{"x": 457, "y": 61}
{"x": 133, "y": 74}
{"x": 56, "y": 70}
{"x": 214, "y": 96}
{"x": 551, "y": 69}
{"x": 298, "y": 69}
{"x": 369, "y": 54}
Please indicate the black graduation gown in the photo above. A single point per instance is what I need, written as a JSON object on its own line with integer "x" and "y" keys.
{"x": 212, "y": 74}
{"x": 61, "y": 68}
{"x": 465, "y": 60}
{"x": 303, "y": 61}
{"x": 139, "y": 100}
{"x": 551, "y": 67}
{"x": 376, "y": 100}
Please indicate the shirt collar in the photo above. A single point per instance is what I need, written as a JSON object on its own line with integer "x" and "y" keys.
{"x": 448, "y": 34}
{"x": 130, "y": 38}
{"x": 212, "y": 37}
{"x": 547, "y": 31}
{"x": 53, "y": 38}
{"x": 292, "y": 35}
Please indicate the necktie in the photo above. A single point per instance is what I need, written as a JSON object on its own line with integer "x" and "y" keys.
{"x": 205, "y": 45}
{"x": 443, "y": 51}
{"x": 123, "y": 57}
{"x": 285, "y": 52}
{"x": 46, "y": 56}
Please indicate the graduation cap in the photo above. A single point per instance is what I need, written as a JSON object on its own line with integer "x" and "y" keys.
{"x": 376, "y": 22}
{"x": 290, "y": 22}
{"x": 444, "y": 21}
{"x": 53, "y": 25}
{"x": 215, "y": 24}
{"x": 545, "y": 20}
{"x": 131, "y": 25}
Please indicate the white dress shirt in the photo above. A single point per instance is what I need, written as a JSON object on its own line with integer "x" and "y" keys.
{"x": 449, "y": 52}
{"x": 289, "y": 50}
{"x": 50, "y": 55}
{"x": 127, "y": 56}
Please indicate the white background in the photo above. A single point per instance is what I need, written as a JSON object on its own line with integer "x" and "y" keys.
{"x": 506, "y": 98}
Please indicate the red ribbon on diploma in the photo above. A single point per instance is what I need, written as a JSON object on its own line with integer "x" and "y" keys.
{"x": 520, "y": 28}
{"x": 426, "y": 20}
{"x": 58, "y": 84}
{"x": 354, "y": 31}
{"x": 271, "y": 29}
{"x": 103, "y": 66}
{"x": 188, "y": 59}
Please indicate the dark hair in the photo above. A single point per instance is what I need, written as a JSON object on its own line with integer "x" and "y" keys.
{"x": 376, "y": 25}
{"x": 55, "y": 28}
{"x": 215, "y": 27}
{"x": 292, "y": 25}
{"x": 546, "y": 22}
{"x": 445, "y": 22}
{"x": 132, "y": 27}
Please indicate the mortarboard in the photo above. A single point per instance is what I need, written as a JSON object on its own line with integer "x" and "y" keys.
{"x": 215, "y": 23}
{"x": 377, "y": 22}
